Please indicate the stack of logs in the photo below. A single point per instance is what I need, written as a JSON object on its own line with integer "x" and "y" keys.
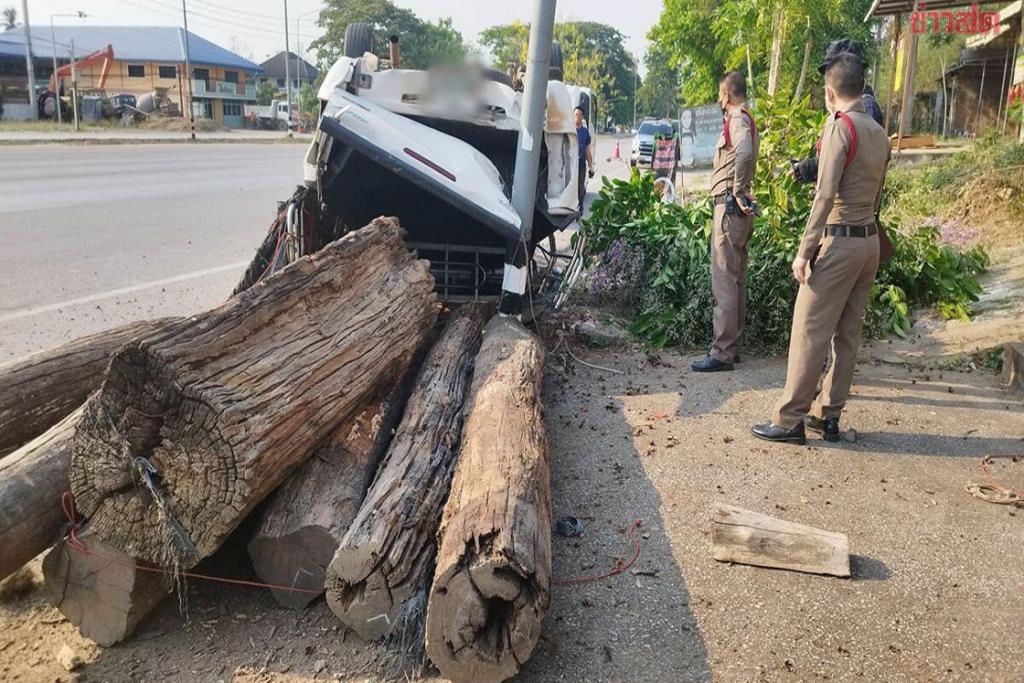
{"x": 394, "y": 462}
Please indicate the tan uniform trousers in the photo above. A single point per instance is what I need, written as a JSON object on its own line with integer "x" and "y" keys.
{"x": 829, "y": 310}
{"x": 729, "y": 243}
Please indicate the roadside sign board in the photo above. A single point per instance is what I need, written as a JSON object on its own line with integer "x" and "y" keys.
{"x": 699, "y": 128}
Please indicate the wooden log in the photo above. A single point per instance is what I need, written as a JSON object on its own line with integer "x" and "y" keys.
{"x": 746, "y": 537}
{"x": 309, "y": 514}
{"x": 1013, "y": 367}
{"x": 387, "y": 556}
{"x": 196, "y": 424}
{"x": 32, "y": 480}
{"x": 492, "y": 582}
{"x": 38, "y": 391}
{"x": 102, "y": 591}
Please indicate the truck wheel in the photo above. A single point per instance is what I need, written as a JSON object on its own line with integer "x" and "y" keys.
{"x": 498, "y": 76}
{"x": 555, "y": 69}
{"x": 358, "y": 39}
{"x": 282, "y": 124}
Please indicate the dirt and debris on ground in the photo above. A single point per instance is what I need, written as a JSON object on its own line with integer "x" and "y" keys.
{"x": 936, "y": 592}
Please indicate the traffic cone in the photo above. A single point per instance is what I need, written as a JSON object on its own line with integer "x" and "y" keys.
{"x": 617, "y": 154}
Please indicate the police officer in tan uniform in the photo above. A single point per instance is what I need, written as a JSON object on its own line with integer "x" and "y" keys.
{"x": 836, "y": 261}
{"x": 735, "y": 158}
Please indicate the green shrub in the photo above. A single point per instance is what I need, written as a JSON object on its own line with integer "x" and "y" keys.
{"x": 676, "y": 301}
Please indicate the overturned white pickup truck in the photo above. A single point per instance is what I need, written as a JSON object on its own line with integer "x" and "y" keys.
{"x": 437, "y": 149}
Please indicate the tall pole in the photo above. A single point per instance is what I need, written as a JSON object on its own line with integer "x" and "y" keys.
{"x": 907, "y": 106}
{"x": 74, "y": 86}
{"x": 531, "y": 137}
{"x": 287, "y": 70}
{"x": 29, "y": 67}
{"x": 188, "y": 76}
{"x": 635, "y": 67}
{"x": 56, "y": 81}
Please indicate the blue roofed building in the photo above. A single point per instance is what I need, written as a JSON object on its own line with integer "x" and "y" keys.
{"x": 146, "y": 59}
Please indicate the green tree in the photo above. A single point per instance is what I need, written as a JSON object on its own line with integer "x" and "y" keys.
{"x": 423, "y": 42}
{"x": 660, "y": 93}
{"x": 265, "y": 93}
{"x": 593, "y": 54}
{"x": 704, "y": 39}
{"x": 10, "y": 18}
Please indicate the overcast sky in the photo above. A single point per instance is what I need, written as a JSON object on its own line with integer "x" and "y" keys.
{"x": 255, "y": 26}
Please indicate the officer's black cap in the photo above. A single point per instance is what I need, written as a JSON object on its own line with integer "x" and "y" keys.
{"x": 836, "y": 48}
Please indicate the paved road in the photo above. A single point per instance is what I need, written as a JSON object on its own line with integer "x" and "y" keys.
{"x": 95, "y": 236}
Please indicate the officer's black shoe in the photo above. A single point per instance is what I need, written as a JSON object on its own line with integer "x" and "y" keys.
{"x": 736, "y": 358}
{"x": 710, "y": 364}
{"x": 827, "y": 427}
{"x": 773, "y": 432}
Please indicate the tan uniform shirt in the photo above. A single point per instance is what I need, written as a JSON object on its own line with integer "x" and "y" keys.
{"x": 847, "y": 195}
{"x": 734, "y": 164}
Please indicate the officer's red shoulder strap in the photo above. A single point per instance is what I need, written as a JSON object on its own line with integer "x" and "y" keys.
{"x": 853, "y": 138}
{"x": 725, "y": 127}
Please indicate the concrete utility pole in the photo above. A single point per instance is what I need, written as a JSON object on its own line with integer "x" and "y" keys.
{"x": 74, "y": 86}
{"x": 188, "y": 76}
{"x": 287, "y": 69}
{"x": 29, "y": 67}
{"x": 531, "y": 137}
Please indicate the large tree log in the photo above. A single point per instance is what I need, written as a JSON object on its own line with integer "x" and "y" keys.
{"x": 38, "y": 391}
{"x": 309, "y": 514}
{"x": 492, "y": 582}
{"x": 196, "y": 424}
{"x": 102, "y": 591}
{"x": 387, "y": 555}
{"x": 746, "y": 537}
{"x": 32, "y": 480}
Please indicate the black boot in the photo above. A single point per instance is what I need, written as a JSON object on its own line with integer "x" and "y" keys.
{"x": 828, "y": 427}
{"x": 710, "y": 364}
{"x": 773, "y": 432}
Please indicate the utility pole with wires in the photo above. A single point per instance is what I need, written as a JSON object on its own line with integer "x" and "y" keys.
{"x": 74, "y": 86}
{"x": 188, "y": 76}
{"x": 29, "y": 67}
{"x": 287, "y": 70}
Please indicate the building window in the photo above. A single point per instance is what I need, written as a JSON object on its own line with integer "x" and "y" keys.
{"x": 280, "y": 83}
{"x": 232, "y": 109}
{"x": 231, "y": 76}
{"x": 136, "y": 71}
{"x": 168, "y": 72}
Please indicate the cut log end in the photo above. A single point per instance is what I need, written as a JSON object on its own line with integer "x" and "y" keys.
{"x": 102, "y": 591}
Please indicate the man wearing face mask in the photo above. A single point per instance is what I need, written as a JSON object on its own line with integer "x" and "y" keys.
{"x": 735, "y": 159}
{"x": 836, "y": 262}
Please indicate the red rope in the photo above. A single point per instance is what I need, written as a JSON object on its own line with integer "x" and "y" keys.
{"x": 992, "y": 481}
{"x": 631, "y": 532}
{"x": 67, "y": 505}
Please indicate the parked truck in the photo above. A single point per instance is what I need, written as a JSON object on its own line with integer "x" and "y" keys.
{"x": 273, "y": 116}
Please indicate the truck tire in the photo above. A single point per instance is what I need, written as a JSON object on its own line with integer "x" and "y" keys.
{"x": 555, "y": 68}
{"x": 498, "y": 76}
{"x": 358, "y": 39}
{"x": 282, "y": 124}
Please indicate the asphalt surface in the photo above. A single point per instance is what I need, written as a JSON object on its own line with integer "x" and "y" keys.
{"x": 95, "y": 236}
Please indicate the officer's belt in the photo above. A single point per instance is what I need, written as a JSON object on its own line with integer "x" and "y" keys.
{"x": 722, "y": 198}
{"x": 850, "y": 230}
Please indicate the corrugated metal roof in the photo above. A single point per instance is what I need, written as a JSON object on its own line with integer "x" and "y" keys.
{"x": 274, "y": 67}
{"x": 131, "y": 43}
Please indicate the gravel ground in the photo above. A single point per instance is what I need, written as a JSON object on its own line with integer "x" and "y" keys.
{"x": 936, "y": 592}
